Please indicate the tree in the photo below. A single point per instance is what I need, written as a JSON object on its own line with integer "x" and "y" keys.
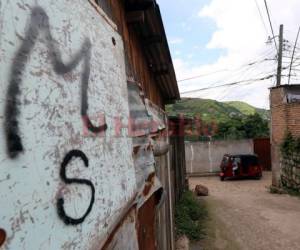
{"x": 251, "y": 126}
{"x": 255, "y": 126}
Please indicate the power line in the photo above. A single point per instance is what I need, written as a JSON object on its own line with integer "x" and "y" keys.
{"x": 261, "y": 17}
{"x": 223, "y": 70}
{"x": 263, "y": 55}
{"x": 297, "y": 65}
{"x": 292, "y": 59}
{"x": 198, "y": 76}
{"x": 266, "y": 5}
{"x": 230, "y": 84}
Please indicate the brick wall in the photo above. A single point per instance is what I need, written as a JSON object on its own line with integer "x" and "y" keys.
{"x": 284, "y": 117}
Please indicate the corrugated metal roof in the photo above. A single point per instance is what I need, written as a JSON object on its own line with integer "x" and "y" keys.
{"x": 153, "y": 38}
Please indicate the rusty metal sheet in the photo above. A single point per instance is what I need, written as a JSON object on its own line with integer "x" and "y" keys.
{"x": 125, "y": 234}
{"x": 150, "y": 193}
{"x": 144, "y": 164}
{"x": 146, "y": 146}
{"x": 139, "y": 118}
{"x": 158, "y": 116}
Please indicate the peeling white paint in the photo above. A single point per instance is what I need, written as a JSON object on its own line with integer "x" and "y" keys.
{"x": 51, "y": 125}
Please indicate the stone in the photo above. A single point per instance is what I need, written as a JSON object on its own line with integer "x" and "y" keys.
{"x": 201, "y": 190}
{"x": 182, "y": 243}
{"x": 277, "y": 190}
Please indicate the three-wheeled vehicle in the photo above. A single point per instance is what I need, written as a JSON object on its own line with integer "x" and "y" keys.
{"x": 240, "y": 166}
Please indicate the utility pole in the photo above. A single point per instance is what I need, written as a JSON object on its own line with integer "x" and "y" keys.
{"x": 279, "y": 68}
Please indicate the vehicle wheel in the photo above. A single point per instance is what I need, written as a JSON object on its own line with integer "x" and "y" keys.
{"x": 222, "y": 178}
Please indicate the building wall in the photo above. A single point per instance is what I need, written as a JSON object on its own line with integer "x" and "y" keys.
{"x": 205, "y": 157}
{"x": 136, "y": 63}
{"x": 138, "y": 68}
{"x": 283, "y": 118}
{"x": 284, "y": 115}
{"x": 60, "y": 68}
{"x": 73, "y": 174}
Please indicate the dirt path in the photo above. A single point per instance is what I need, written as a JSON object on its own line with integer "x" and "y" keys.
{"x": 244, "y": 215}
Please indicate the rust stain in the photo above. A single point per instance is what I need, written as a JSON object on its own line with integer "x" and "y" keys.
{"x": 136, "y": 149}
{"x": 118, "y": 226}
{"x": 146, "y": 224}
{"x": 147, "y": 189}
{"x": 149, "y": 183}
{"x": 151, "y": 177}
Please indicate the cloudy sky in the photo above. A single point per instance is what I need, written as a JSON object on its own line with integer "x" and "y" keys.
{"x": 225, "y": 41}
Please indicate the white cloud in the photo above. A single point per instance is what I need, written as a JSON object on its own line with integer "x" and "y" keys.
{"x": 241, "y": 33}
{"x": 176, "y": 40}
{"x": 177, "y": 52}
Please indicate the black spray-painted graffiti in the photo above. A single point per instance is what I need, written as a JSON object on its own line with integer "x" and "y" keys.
{"x": 39, "y": 23}
{"x": 60, "y": 202}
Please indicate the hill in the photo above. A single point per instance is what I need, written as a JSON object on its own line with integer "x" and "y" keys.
{"x": 211, "y": 110}
{"x": 247, "y": 109}
{"x": 222, "y": 120}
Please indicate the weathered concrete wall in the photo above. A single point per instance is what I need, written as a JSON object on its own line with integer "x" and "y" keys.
{"x": 62, "y": 78}
{"x": 202, "y": 157}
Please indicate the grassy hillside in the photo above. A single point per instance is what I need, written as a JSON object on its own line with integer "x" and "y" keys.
{"x": 247, "y": 109}
{"x": 214, "y": 110}
{"x": 243, "y": 107}
{"x": 233, "y": 120}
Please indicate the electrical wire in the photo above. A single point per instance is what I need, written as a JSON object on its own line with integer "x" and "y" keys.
{"x": 261, "y": 17}
{"x": 293, "y": 55}
{"x": 260, "y": 58}
{"x": 266, "y": 5}
{"x": 244, "y": 70}
{"x": 230, "y": 84}
{"x": 223, "y": 70}
{"x": 203, "y": 75}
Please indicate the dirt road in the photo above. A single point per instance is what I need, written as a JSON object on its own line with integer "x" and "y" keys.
{"x": 244, "y": 215}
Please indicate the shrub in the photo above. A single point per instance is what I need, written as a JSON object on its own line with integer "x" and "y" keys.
{"x": 190, "y": 215}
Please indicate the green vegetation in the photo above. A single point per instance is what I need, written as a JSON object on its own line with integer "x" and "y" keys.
{"x": 290, "y": 146}
{"x": 284, "y": 190}
{"x": 229, "y": 120}
{"x": 190, "y": 216}
{"x": 276, "y": 190}
{"x": 211, "y": 110}
{"x": 251, "y": 126}
{"x": 247, "y": 109}
{"x": 216, "y": 231}
{"x": 290, "y": 164}
{"x": 292, "y": 192}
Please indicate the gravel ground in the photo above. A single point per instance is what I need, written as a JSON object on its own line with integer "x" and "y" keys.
{"x": 244, "y": 215}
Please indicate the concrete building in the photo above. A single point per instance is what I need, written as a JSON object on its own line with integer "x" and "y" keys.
{"x": 85, "y": 162}
{"x": 285, "y": 110}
